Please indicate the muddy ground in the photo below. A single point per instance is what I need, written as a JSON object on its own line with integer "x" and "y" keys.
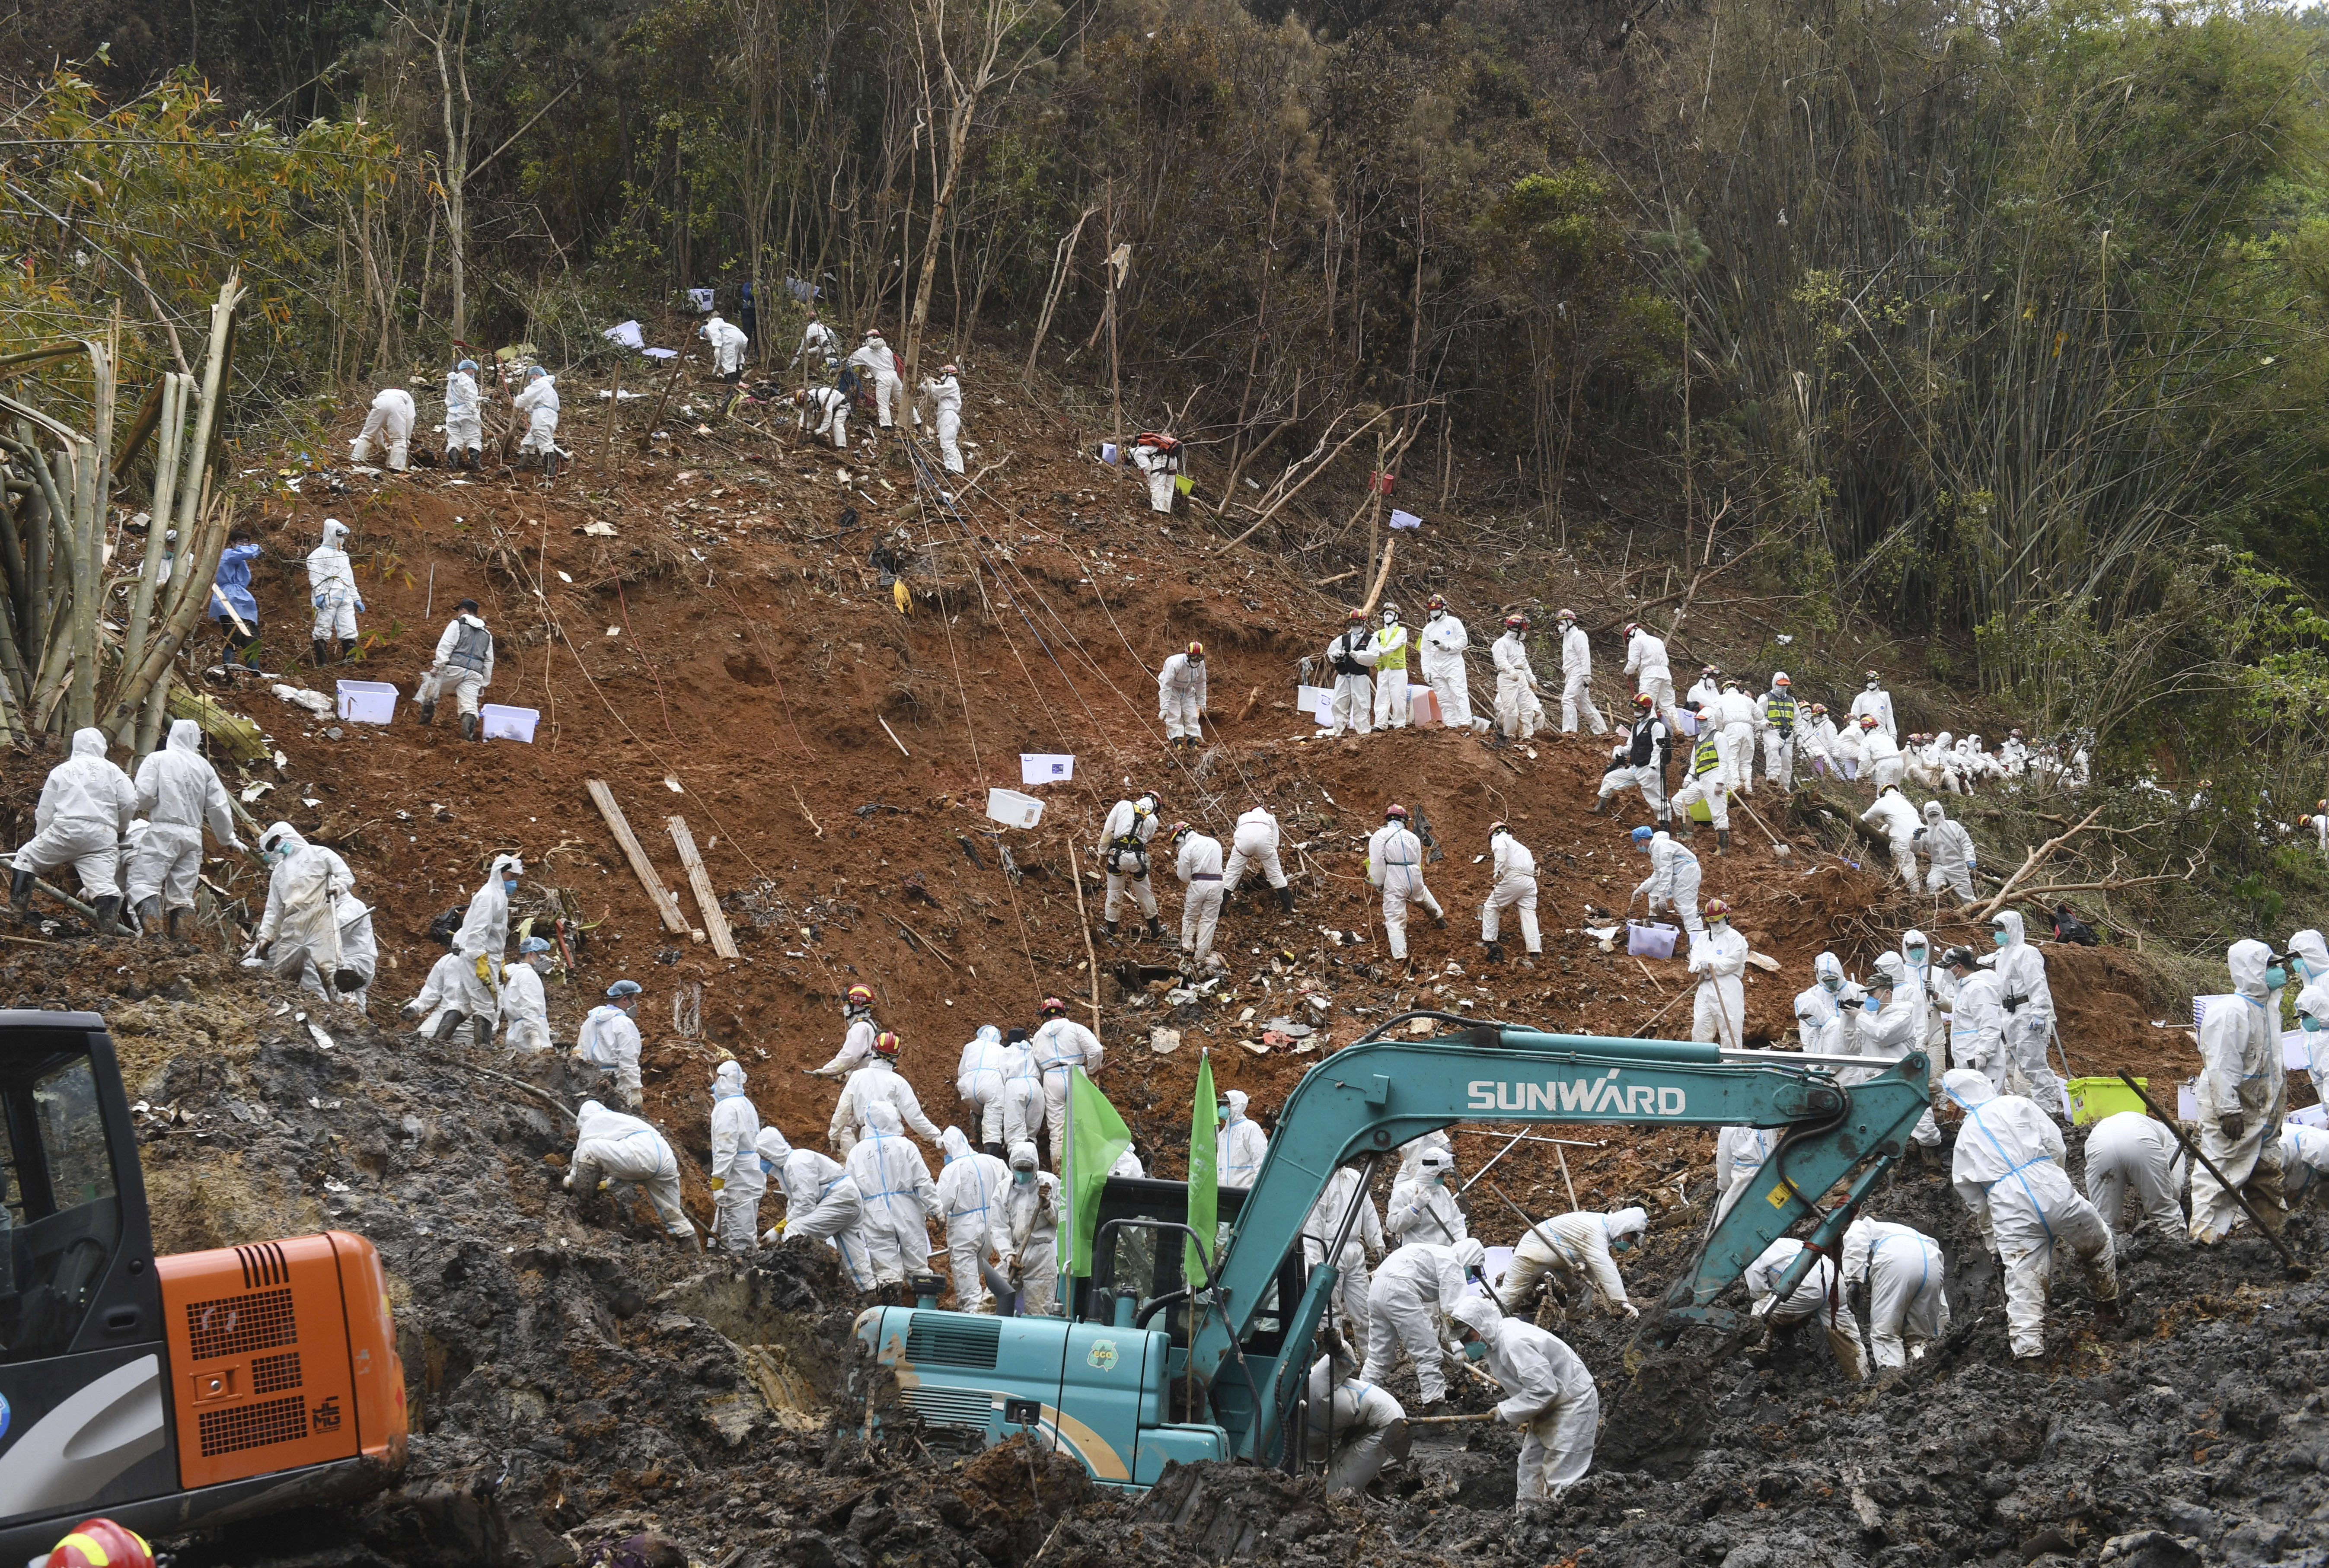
{"x": 575, "y": 1379}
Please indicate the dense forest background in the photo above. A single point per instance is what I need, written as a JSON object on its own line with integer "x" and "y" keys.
{"x": 1999, "y": 326}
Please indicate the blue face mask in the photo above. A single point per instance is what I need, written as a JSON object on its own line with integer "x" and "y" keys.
{"x": 2275, "y": 978}
{"x": 1917, "y": 955}
{"x": 1832, "y": 984}
{"x": 1999, "y": 937}
{"x": 1475, "y": 1350}
{"x": 1023, "y": 1177}
{"x": 2309, "y": 1021}
{"x": 1870, "y": 1004}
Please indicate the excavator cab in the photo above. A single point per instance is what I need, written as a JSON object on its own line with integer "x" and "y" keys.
{"x": 172, "y": 1393}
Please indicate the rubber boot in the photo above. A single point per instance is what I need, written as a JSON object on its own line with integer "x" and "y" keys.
{"x": 20, "y": 890}
{"x": 323, "y": 651}
{"x": 448, "y": 1024}
{"x": 468, "y": 726}
{"x": 1600, "y": 804}
{"x": 1722, "y": 839}
{"x": 1156, "y": 929}
{"x": 1440, "y": 921}
{"x": 347, "y": 653}
{"x": 1286, "y": 900}
{"x": 108, "y": 914}
{"x": 1682, "y": 827}
{"x": 1109, "y": 926}
{"x": 1493, "y": 950}
{"x": 429, "y": 711}
{"x": 180, "y": 924}
{"x": 149, "y": 916}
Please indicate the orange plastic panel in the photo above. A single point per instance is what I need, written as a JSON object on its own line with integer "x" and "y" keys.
{"x": 377, "y": 1371}
{"x": 258, "y": 1358}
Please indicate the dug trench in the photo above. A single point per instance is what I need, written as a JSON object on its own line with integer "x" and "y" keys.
{"x": 725, "y": 655}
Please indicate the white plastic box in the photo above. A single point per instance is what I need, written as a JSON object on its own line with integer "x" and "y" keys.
{"x": 367, "y": 701}
{"x": 1650, "y": 940}
{"x": 500, "y": 723}
{"x": 1014, "y": 810}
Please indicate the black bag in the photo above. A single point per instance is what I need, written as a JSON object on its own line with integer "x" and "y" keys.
{"x": 447, "y": 925}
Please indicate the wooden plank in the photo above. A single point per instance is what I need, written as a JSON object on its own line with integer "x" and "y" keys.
{"x": 715, "y": 924}
{"x": 641, "y": 867}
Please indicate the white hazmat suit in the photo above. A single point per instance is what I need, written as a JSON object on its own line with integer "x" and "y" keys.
{"x": 85, "y": 808}
{"x": 315, "y": 930}
{"x": 900, "y": 1198}
{"x": 822, "y": 1204}
{"x": 945, "y": 399}
{"x": 610, "y": 1146}
{"x": 1395, "y": 865}
{"x": 1519, "y": 711}
{"x": 1345, "y": 1190}
{"x": 970, "y": 1189}
{"x": 1902, "y": 1270}
{"x": 1444, "y": 642}
{"x": 1576, "y": 682}
{"x": 1059, "y": 1046}
{"x": 1407, "y": 1310}
{"x": 1514, "y": 887}
{"x": 1180, "y": 697}
{"x": 1199, "y": 866}
{"x": 178, "y": 792}
{"x": 1243, "y": 1144}
{"x": 2128, "y": 1151}
{"x": 1719, "y": 1011}
{"x": 390, "y": 422}
{"x": 331, "y": 588}
{"x": 738, "y": 1181}
{"x": 2006, "y": 1169}
{"x": 1548, "y": 1395}
{"x": 2243, "y": 1096}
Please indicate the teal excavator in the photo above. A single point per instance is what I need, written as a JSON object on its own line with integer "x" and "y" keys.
{"x": 1149, "y": 1367}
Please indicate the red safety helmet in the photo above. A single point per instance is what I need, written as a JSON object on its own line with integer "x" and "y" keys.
{"x": 1718, "y": 909}
{"x": 1435, "y": 602}
{"x": 1395, "y": 814}
{"x": 886, "y": 1043}
{"x": 102, "y": 1543}
{"x": 1566, "y": 615}
{"x": 1053, "y": 1008}
{"x": 1632, "y": 627}
{"x": 1197, "y": 651}
{"x": 1358, "y": 615}
{"x": 1517, "y": 623}
{"x": 861, "y": 995}
{"x": 1645, "y": 701}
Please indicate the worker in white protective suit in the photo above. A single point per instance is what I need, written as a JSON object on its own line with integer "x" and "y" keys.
{"x": 1349, "y": 657}
{"x": 2128, "y": 1152}
{"x": 178, "y": 792}
{"x": 727, "y": 344}
{"x": 1395, "y": 865}
{"x": 1123, "y": 854}
{"x": 878, "y": 363}
{"x": 1242, "y": 1146}
{"x": 1735, "y": 713}
{"x": 2304, "y": 1163}
{"x": 877, "y": 1082}
{"x": 859, "y": 1031}
{"x": 465, "y": 424}
{"x": 1645, "y": 662}
{"x": 463, "y": 665}
{"x": 526, "y": 1010}
{"x": 1706, "y": 690}
{"x": 1514, "y": 886}
{"x": 1024, "y": 1107}
{"x": 1931, "y": 992}
{"x": 1900, "y": 1270}
{"x": 1548, "y": 1395}
{"x": 1704, "y": 781}
{"x": 1346, "y": 1192}
{"x": 900, "y": 1198}
{"x": 1445, "y": 642}
{"x": 1775, "y": 719}
{"x": 1739, "y": 1153}
{"x": 439, "y": 994}
{"x": 1640, "y": 763}
{"x": 2029, "y": 1004}
{"x": 2243, "y": 1097}
{"x": 1719, "y": 958}
{"x": 481, "y": 944}
{"x": 978, "y": 1082}
{"x": 1422, "y": 1207}
{"x": 1819, "y": 1298}
{"x": 1819, "y": 1022}
{"x": 1673, "y": 882}
{"x": 1887, "y": 1031}
{"x": 970, "y": 1190}
{"x": 1255, "y": 843}
{"x": 331, "y": 590}
{"x": 2007, "y": 1169}
{"x": 1519, "y": 711}
{"x": 1407, "y": 1310}
{"x": 1180, "y": 697}
{"x": 1393, "y": 707}
{"x": 1059, "y": 1046}
{"x": 1817, "y": 735}
{"x": 1891, "y": 815}
{"x": 610, "y": 1147}
{"x": 1029, "y": 1242}
{"x": 819, "y": 343}
{"x": 1576, "y": 677}
{"x": 1880, "y": 762}
{"x": 737, "y": 1181}
{"x": 316, "y": 930}
{"x": 823, "y": 411}
{"x": 391, "y": 423}
{"x": 1950, "y": 848}
{"x": 1198, "y": 864}
{"x": 1977, "y": 1018}
{"x": 945, "y": 400}
{"x": 608, "y": 1043}
{"x": 538, "y": 402}
{"x": 1354, "y": 1427}
{"x": 822, "y": 1204}
{"x": 2310, "y": 957}
{"x": 1874, "y": 702}
{"x": 1578, "y": 1250}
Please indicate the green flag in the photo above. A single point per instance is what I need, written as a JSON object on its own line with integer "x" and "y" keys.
{"x": 1204, "y": 1173}
{"x": 1098, "y": 1136}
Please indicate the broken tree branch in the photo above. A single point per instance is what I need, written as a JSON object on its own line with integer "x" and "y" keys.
{"x": 2036, "y": 857}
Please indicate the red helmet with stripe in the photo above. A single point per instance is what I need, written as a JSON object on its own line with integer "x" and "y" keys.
{"x": 102, "y": 1543}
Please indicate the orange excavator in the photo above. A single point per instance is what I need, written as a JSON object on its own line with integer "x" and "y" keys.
{"x": 169, "y": 1395}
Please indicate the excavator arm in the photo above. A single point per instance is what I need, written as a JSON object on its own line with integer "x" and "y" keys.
{"x": 1377, "y": 1093}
